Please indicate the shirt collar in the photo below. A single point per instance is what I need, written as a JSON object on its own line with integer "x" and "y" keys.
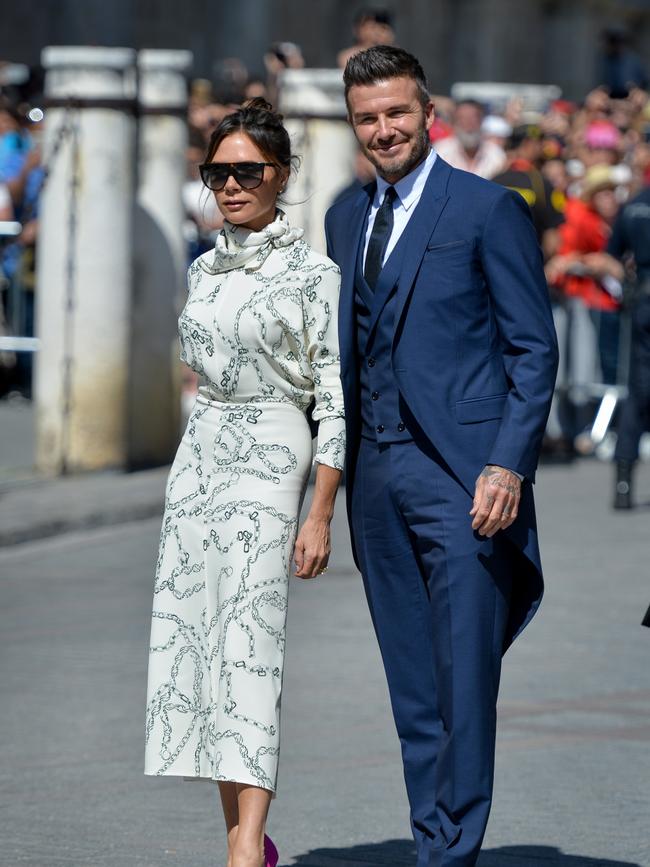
{"x": 409, "y": 188}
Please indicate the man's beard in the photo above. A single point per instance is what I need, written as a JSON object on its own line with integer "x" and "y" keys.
{"x": 470, "y": 141}
{"x": 401, "y": 169}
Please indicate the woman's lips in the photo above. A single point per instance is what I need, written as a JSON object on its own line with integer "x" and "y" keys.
{"x": 235, "y": 206}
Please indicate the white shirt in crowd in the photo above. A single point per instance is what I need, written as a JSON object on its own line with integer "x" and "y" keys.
{"x": 488, "y": 161}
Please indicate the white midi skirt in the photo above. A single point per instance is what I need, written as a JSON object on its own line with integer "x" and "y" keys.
{"x": 220, "y": 600}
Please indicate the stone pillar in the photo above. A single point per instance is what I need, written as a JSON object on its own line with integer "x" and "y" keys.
{"x": 314, "y": 108}
{"x": 159, "y": 272}
{"x": 84, "y": 260}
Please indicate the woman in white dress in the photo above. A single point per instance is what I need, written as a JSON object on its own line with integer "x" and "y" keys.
{"x": 260, "y": 326}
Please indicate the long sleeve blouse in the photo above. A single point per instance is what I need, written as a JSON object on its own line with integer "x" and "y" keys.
{"x": 266, "y": 330}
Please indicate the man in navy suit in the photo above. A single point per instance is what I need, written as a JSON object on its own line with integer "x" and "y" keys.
{"x": 448, "y": 362}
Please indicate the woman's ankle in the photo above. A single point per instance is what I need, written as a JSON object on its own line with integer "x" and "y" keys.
{"x": 231, "y": 840}
{"x": 248, "y": 851}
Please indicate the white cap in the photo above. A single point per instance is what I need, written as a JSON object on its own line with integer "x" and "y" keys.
{"x": 575, "y": 168}
{"x": 622, "y": 174}
{"x": 493, "y": 124}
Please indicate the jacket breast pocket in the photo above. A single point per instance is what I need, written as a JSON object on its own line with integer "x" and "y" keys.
{"x": 480, "y": 408}
{"x": 449, "y": 246}
{"x": 451, "y": 268}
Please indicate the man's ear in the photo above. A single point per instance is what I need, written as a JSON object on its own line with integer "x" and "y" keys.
{"x": 429, "y": 114}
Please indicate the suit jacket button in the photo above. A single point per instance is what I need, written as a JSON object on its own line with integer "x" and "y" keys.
{"x": 375, "y": 395}
{"x": 401, "y": 426}
{"x": 371, "y": 362}
{"x": 380, "y": 428}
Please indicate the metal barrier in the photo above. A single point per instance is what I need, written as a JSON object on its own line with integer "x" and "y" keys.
{"x": 611, "y": 397}
{"x": 582, "y": 391}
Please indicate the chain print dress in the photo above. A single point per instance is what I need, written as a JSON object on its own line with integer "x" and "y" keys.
{"x": 260, "y": 327}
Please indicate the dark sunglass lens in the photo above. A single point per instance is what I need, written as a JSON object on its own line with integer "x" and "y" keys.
{"x": 249, "y": 175}
{"x": 214, "y": 176}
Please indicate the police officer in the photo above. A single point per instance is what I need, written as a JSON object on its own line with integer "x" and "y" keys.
{"x": 631, "y": 238}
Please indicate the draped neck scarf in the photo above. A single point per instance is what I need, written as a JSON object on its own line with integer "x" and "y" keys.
{"x": 239, "y": 247}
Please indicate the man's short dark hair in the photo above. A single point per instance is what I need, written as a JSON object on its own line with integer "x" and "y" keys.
{"x": 381, "y": 63}
{"x": 520, "y": 134}
{"x": 474, "y": 103}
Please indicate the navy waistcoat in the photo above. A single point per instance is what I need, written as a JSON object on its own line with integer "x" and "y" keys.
{"x": 381, "y": 406}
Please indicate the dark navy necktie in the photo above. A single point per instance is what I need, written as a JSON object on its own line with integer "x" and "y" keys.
{"x": 381, "y": 232}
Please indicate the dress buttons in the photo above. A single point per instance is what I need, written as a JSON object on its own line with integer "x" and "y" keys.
{"x": 375, "y": 395}
{"x": 380, "y": 428}
{"x": 371, "y": 362}
{"x": 401, "y": 426}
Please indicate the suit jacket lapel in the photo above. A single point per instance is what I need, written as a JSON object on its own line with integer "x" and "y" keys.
{"x": 420, "y": 229}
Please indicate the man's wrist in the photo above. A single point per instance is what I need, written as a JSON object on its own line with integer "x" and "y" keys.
{"x": 514, "y": 472}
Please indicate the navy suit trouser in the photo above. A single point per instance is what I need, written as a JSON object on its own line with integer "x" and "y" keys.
{"x": 438, "y": 595}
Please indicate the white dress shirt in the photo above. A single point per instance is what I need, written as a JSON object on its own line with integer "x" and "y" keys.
{"x": 408, "y": 189}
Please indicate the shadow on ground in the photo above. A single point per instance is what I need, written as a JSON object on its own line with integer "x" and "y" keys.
{"x": 401, "y": 853}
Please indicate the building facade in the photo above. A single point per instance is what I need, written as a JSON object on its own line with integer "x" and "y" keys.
{"x": 539, "y": 41}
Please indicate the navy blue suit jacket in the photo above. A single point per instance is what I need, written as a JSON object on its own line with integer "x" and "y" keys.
{"x": 474, "y": 350}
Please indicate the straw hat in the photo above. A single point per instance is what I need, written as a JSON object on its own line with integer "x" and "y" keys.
{"x": 600, "y": 177}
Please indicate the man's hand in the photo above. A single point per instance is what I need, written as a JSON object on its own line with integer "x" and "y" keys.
{"x": 496, "y": 501}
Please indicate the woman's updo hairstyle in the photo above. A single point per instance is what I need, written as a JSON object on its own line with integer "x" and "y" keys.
{"x": 257, "y": 119}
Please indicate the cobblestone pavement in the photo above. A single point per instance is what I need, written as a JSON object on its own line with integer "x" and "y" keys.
{"x": 573, "y": 763}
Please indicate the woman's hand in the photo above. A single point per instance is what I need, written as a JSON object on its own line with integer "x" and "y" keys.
{"x": 313, "y": 543}
{"x": 313, "y": 548}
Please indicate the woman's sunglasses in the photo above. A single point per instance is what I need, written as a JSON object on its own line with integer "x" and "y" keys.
{"x": 248, "y": 175}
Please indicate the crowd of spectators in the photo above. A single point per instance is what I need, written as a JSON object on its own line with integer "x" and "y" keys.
{"x": 575, "y": 163}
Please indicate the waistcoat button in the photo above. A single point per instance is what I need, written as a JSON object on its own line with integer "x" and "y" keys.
{"x": 375, "y": 395}
{"x": 401, "y": 426}
{"x": 380, "y": 428}
{"x": 371, "y": 362}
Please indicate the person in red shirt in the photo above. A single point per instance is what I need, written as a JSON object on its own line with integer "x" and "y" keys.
{"x": 585, "y": 232}
{"x": 583, "y": 272}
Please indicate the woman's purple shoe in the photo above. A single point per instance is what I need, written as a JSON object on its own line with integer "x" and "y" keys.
{"x": 270, "y": 852}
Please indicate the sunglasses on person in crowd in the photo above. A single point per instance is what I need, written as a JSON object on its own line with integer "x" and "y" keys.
{"x": 248, "y": 175}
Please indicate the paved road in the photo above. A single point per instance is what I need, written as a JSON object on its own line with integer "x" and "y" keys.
{"x": 573, "y": 766}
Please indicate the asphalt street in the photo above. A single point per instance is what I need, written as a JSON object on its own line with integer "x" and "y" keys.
{"x": 573, "y": 763}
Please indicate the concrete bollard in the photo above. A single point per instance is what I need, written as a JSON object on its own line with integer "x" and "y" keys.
{"x": 314, "y": 108}
{"x": 159, "y": 258}
{"x": 84, "y": 260}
